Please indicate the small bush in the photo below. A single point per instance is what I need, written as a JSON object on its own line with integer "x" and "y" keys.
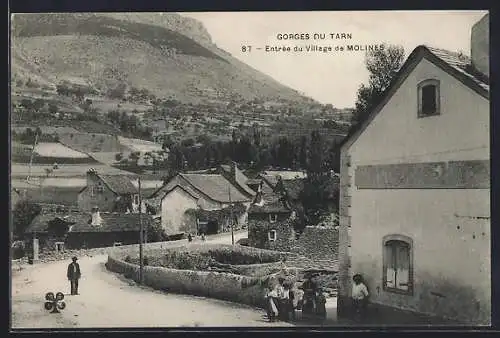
{"x": 18, "y": 250}
{"x": 128, "y": 259}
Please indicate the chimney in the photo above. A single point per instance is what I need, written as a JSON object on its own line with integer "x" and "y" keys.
{"x": 233, "y": 170}
{"x": 96, "y": 217}
{"x": 91, "y": 174}
{"x": 480, "y": 45}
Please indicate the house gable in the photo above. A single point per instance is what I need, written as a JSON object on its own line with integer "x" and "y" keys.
{"x": 413, "y": 60}
{"x": 173, "y": 207}
{"x": 465, "y": 119}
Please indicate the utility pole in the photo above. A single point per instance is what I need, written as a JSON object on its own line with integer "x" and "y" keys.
{"x": 231, "y": 214}
{"x": 31, "y": 157}
{"x": 141, "y": 239}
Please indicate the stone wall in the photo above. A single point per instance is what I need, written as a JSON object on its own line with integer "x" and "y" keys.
{"x": 319, "y": 243}
{"x": 225, "y": 286}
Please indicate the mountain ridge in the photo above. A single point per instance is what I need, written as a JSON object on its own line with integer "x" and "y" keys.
{"x": 170, "y": 55}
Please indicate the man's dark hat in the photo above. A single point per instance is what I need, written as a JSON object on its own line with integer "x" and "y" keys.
{"x": 74, "y": 258}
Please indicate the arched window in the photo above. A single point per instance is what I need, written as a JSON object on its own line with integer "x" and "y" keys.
{"x": 428, "y": 98}
{"x": 398, "y": 264}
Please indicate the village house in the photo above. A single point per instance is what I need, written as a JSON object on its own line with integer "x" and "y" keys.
{"x": 273, "y": 225}
{"x": 75, "y": 229}
{"x": 415, "y": 190}
{"x": 195, "y": 202}
{"x": 270, "y": 222}
{"x": 111, "y": 193}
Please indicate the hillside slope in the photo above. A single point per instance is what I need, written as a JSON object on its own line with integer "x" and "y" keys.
{"x": 170, "y": 55}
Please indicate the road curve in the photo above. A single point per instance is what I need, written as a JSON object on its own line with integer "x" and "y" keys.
{"x": 109, "y": 300}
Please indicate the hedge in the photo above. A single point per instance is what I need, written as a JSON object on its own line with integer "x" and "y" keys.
{"x": 241, "y": 260}
{"x": 225, "y": 286}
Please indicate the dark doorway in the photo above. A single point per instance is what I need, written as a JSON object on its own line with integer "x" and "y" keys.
{"x": 212, "y": 227}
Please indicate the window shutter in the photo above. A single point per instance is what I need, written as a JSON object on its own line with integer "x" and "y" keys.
{"x": 403, "y": 268}
{"x": 390, "y": 274}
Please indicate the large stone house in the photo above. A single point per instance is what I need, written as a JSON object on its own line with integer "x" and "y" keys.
{"x": 187, "y": 200}
{"x": 415, "y": 190}
{"x": 110, "y": 193}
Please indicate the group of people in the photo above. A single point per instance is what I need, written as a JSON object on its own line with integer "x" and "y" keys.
{"x": 283, "y": 299}
{"x": 280, "y": 301}
{"x": 190, "y": 237}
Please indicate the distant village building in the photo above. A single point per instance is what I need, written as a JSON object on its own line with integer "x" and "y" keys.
{"x": 75, "y": 230}
{"x": 285, "y": 174}
{"x": 415, "y": 189}
{"x": 206, "y": 192}
{"x": 109, "y": 192}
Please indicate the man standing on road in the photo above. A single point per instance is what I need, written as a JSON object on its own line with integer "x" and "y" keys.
{"x": 73, "y": 275}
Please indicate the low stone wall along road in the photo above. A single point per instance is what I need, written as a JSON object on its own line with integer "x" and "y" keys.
{"x": 109, "y": 300}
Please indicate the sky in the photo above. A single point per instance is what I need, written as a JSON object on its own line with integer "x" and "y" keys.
{"x": 332, "y": 77}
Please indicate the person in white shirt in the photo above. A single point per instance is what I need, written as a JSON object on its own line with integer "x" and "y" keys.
{"x": 359, "y": 296}
{"x": 271, "y": 299}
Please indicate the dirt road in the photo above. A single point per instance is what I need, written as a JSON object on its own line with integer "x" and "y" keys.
{"x": 108, "y": 300}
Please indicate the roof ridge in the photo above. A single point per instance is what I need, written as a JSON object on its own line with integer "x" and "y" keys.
{"x": 199, "y": 174}
{"x": 458, "y": 54}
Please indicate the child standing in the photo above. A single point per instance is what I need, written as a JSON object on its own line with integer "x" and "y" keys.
{"x": 271, "y": 297}
{"x": 359, "y": 297}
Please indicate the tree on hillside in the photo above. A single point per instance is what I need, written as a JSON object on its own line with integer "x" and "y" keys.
{"x": 23, "y": 214}
{"x": 317, "y": 155}
{"x": 382, "y": 65}
{"x": 53, "y": 108}
{"x": 303, "y": 152}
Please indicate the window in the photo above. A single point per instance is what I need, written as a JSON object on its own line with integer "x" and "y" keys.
{"x": 398, "y": 264}
{"x": 273, "y": 218}
{"x": 272, "y": 235}
{"x": 428, "y": 98}
{"x": 91, "y": 191}
{"x": 136, "y": 199}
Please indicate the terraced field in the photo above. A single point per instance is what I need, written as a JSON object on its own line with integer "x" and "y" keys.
{"x": 68, "y": 170}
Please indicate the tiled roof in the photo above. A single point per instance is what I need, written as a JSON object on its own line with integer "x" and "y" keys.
{"x": 120, "y": 184}
{"x": 186, "y": 188}
{"x": 116, "y": 222}
{"x": 240, "y": 178}
{"x": 272, "y": 203}
{"x": 461, "y": 63}
{"x": 40, "y": 222}
{"x": 216, "y": 187}
{"x": 80, "y": 222}
{"x": 252, "y": 181}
